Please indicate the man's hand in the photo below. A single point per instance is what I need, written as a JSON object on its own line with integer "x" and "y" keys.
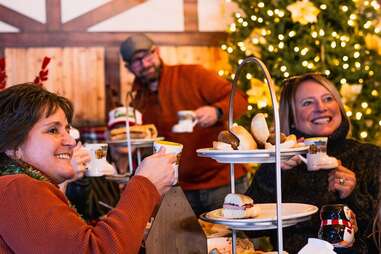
{"x": 206, "y": 116}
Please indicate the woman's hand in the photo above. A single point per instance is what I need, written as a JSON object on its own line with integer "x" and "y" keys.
{"x": 159, "y": 170}
{"x": 342, "y": 180}
{"x": 294, "y": 161}
{"x": 79, "y": 161}
{"x": 291, "y": 163}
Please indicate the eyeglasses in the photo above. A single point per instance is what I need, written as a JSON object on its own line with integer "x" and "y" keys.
{"x": 138, "y": 61}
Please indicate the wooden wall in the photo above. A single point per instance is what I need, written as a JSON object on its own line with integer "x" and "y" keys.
{"x": 86, "y": 66}
{"x": 79, "y": 74}
{"x": 76, "y": 73}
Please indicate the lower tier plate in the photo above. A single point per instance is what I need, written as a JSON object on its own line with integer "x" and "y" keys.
{"x": 292, "y": 213}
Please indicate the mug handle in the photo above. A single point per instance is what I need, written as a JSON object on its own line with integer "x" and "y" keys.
{"x": 195, "y": 121}
{"x": 303, "y": 159}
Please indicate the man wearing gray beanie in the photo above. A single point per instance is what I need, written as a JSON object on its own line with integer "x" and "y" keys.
{"x": 160, "y": 92}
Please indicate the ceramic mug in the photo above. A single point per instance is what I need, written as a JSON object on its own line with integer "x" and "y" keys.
{"x": 187, "y": 121}
{"x": 98, "y": 165}
{"x": 317, "y": 157}
{"x": 336, "y": 225}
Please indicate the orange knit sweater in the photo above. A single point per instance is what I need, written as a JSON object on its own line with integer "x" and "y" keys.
{"x": 36, "y": 218}
{"x": 188, "y": 87}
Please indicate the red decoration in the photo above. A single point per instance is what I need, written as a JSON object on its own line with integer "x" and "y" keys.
{"x": 3, "y": 75}
{"x": 43, "y": 74}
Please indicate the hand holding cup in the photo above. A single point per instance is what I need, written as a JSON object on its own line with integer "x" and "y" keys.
{"x": 79, "y": 160}
{"x": 170, "y": 148}
{"x": 342, "y": 180}
{"x": 158, "y": 169}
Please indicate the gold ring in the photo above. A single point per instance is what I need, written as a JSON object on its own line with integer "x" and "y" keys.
{"x": 341, "y": 181}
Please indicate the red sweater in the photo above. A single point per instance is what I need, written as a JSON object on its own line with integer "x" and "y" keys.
{"x": 188, "y": 87}
{"x": 36, "y": 218}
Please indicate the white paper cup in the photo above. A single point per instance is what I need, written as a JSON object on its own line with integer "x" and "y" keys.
{"x": 170, "y": 148}
{"x": 98, "y": 154}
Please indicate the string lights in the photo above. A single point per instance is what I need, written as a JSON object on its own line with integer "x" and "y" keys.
{"x": 298, "y": 37}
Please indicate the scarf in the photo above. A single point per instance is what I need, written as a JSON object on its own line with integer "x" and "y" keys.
{"x": 9, "y": 166}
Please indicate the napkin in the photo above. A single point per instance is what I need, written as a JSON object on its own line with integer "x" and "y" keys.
{"x": 317, "y": 246}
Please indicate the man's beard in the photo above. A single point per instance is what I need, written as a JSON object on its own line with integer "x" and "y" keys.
{"x": 147, "y": 80}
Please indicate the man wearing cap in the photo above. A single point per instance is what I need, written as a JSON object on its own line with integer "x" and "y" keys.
{"x": 160, "y": 91}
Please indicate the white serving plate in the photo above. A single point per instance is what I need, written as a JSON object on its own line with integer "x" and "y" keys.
{"x": 292, "y": 213}
{"x": 244, "y": 156}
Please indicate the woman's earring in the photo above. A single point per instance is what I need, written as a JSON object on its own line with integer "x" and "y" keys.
{"x": 18, "y": 154}
{"x": 14, "y": 154}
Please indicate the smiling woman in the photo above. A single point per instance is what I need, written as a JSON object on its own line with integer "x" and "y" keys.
{"x": 310, "y": 106}
{"x": 35, "y": 156}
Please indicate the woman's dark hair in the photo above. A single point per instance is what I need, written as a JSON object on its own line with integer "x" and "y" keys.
{"x": 21, "y": 106}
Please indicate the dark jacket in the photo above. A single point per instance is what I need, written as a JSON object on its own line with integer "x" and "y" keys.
{"x": 311, "y": 187}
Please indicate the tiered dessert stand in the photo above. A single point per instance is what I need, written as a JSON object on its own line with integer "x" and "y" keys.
{"x": 135, "y": 143}
{"x": 287, "y": 214}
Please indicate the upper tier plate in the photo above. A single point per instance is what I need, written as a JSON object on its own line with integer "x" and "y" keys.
{"x": 292, "y": 213}
{"x": 244, "y": 156}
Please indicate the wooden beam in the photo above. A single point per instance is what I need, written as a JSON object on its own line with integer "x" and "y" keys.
{"x": 100, "y": 14}
{"x": 112, "y": 78}
{"x": 53, "y": 15}
{"x": 79, "y": 39}
{"x": 19, "y": 20}
{"x": 190, "y": 16}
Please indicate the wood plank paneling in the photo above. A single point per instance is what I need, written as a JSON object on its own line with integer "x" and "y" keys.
{"x": 84, "y": 83}
{"x": 85, "y": 64}
{"x": 80, "y": 39}
{"x": 112, "y": 77}
{"x": 126, "y": 79}
{"x": 76, "y": 73}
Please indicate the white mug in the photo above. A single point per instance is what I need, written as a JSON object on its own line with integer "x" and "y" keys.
{"x": 98, "y": 165}
{"x": 187, "y": 121}
{"x": 317, "y": 157}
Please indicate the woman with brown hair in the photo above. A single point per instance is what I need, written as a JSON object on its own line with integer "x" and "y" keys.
{"x": 310, "y": 106}
{"x": 35, "y": 156}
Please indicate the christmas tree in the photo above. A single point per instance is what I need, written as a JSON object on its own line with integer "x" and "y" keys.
{"x": 340, "y": 39}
